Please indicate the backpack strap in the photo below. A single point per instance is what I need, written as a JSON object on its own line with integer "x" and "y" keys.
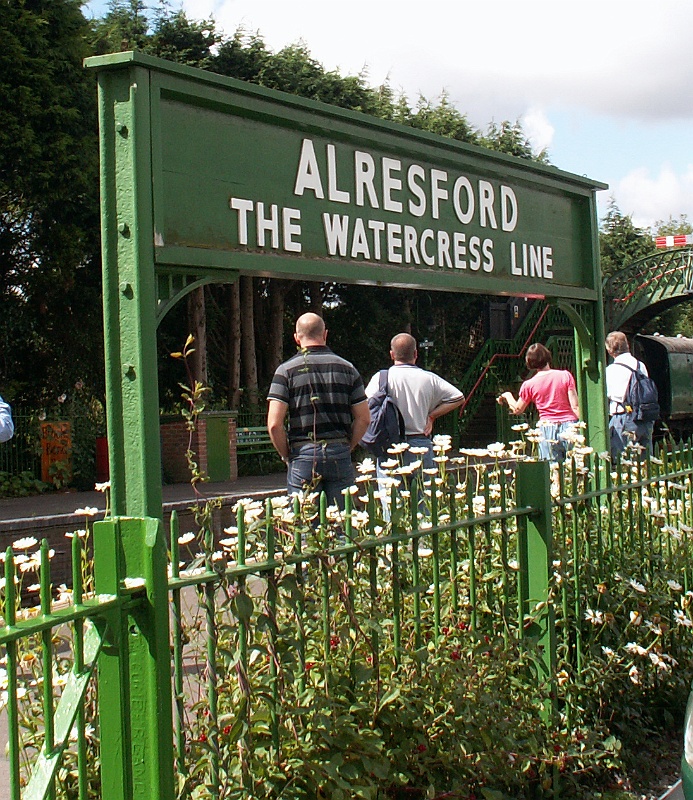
{"x": 637, "y": 369}
{"x": 620, "y": 402}
{"x": 383, "y": 379}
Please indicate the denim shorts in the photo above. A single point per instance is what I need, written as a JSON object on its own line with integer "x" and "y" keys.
{"x": 552, "y": 447}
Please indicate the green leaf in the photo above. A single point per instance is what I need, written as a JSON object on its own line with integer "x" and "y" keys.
{"x": 390, "y": 697}
{"x": 243, "y": 607}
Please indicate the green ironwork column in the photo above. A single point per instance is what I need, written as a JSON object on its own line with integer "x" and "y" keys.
{"x": 588, "y": 324}
{"x": 129, "y": 291}
{"x": 135, "y": 695}
{"x": 536, "y": 563}
{"x": 591, "y": 378}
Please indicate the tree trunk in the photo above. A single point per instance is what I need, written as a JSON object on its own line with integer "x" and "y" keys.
{"x": 316, "y": 298}
{"x": 275, "y": 329}
{"x": 197, "y": 322}
{"x": 260, "y": 303}
{"x": 248, "y": 357}
{"x": 407, "y": 312}
{"x": 233, "y": 329}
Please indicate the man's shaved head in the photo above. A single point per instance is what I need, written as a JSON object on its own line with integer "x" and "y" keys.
{"x": 310, "y": 328}
{"x": 403, "y": 348}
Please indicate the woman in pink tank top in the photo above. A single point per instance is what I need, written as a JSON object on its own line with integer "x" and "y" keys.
{"x": 554, "y": 394}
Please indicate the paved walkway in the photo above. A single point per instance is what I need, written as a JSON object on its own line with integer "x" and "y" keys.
{"x": 16, "y": 510}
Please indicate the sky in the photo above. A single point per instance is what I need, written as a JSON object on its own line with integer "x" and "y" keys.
{"x": 604, "y": 85}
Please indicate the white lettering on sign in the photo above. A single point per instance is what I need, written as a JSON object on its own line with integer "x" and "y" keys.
{"x": 467, "y": 215}
{"x": 333, "y": 191}
{"x": 416, "y": 173}
{"x": 364, "y": 174}
{"x": 447, "y": 201}
{"x": 534, "y": 261}
{"x": 391, "y": 184}
{"x": 308, "y": 173}
{"x": 486, "y": 197}
{"x": 243, "y": 207}
{"x": 508, "y": 209}
{"x": 383, "y": 184}
{"x": 284, "y": 227}
{"x": 403, "y": 245}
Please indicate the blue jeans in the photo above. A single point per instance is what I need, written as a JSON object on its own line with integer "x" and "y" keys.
{"x": 551, "y": 446}
{"x": 624, "y": 430}
{"x": 322, "y": 467}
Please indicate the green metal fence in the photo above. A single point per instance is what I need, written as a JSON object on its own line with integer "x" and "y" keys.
{"x": 302, "y": 616}
{"x": 22, "y": 453}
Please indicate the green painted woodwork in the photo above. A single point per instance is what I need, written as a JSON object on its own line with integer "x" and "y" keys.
{"x": 218, "y": 464}
{"x": 129, "y": 293}
{"x": 174, "y": 284}
{"x": 62, "y": 721}
{"x": 687, "y": 757}
{"x": 535, "y": 547}
{"x": 205, "y": 178}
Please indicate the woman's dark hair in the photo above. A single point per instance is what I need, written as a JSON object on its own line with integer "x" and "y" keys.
{"x": 537, "y": 356}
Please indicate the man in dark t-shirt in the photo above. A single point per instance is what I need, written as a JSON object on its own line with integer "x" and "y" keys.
{"x": 328, "y": 413}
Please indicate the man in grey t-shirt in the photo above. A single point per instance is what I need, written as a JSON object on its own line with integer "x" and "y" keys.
{"x": 420, "y": 395}
{"x": 327, "y": 409}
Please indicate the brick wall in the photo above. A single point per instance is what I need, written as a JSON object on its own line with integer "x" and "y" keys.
{"x": 175, "y": 440}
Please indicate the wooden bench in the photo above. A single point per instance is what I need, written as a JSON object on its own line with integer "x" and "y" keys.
{"x": 253, "y": 441}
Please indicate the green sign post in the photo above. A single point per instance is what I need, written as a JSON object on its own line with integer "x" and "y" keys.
{"x": 204, "y": 178}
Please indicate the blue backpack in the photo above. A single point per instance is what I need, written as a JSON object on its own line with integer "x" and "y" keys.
{"x": 642, "y": 399}
{"x": 387, "y": 425}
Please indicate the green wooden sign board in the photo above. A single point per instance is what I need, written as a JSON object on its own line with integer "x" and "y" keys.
{"x": 266, "y": 183}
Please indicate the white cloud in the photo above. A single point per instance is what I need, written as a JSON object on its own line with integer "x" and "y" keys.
{"x": 538, "y": 129}
{"x": 495, "y": 58}
{"x": 651, "y": 198}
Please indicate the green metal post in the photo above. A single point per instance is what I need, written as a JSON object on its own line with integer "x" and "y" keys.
{"x": 10, "y": 614}
{"x": 536, "y": 557}
{"x": 134, "y": 675}
{"x": 129, "y": 292}
{"x": 590, "y": 360}
{"x": 135, "y": 696}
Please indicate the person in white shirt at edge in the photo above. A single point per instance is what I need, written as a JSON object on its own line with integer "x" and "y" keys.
{"x": 622, "y": 428}
{"x": 6, "y": 424}
{"x": 420, "y": 395}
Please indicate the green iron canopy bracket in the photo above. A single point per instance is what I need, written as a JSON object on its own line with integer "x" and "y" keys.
{"x": 173, "y": 284}
{"x": 588, "y": 346}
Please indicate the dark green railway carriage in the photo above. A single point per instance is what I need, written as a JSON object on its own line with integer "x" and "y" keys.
{"x": 669, "y": 361}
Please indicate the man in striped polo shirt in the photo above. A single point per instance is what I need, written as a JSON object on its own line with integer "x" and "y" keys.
{"x": 328, "y": 413}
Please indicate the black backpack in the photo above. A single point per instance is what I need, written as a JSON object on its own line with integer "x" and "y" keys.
{"x": 641, "y": 399}
{"x": 387, "y": 425}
